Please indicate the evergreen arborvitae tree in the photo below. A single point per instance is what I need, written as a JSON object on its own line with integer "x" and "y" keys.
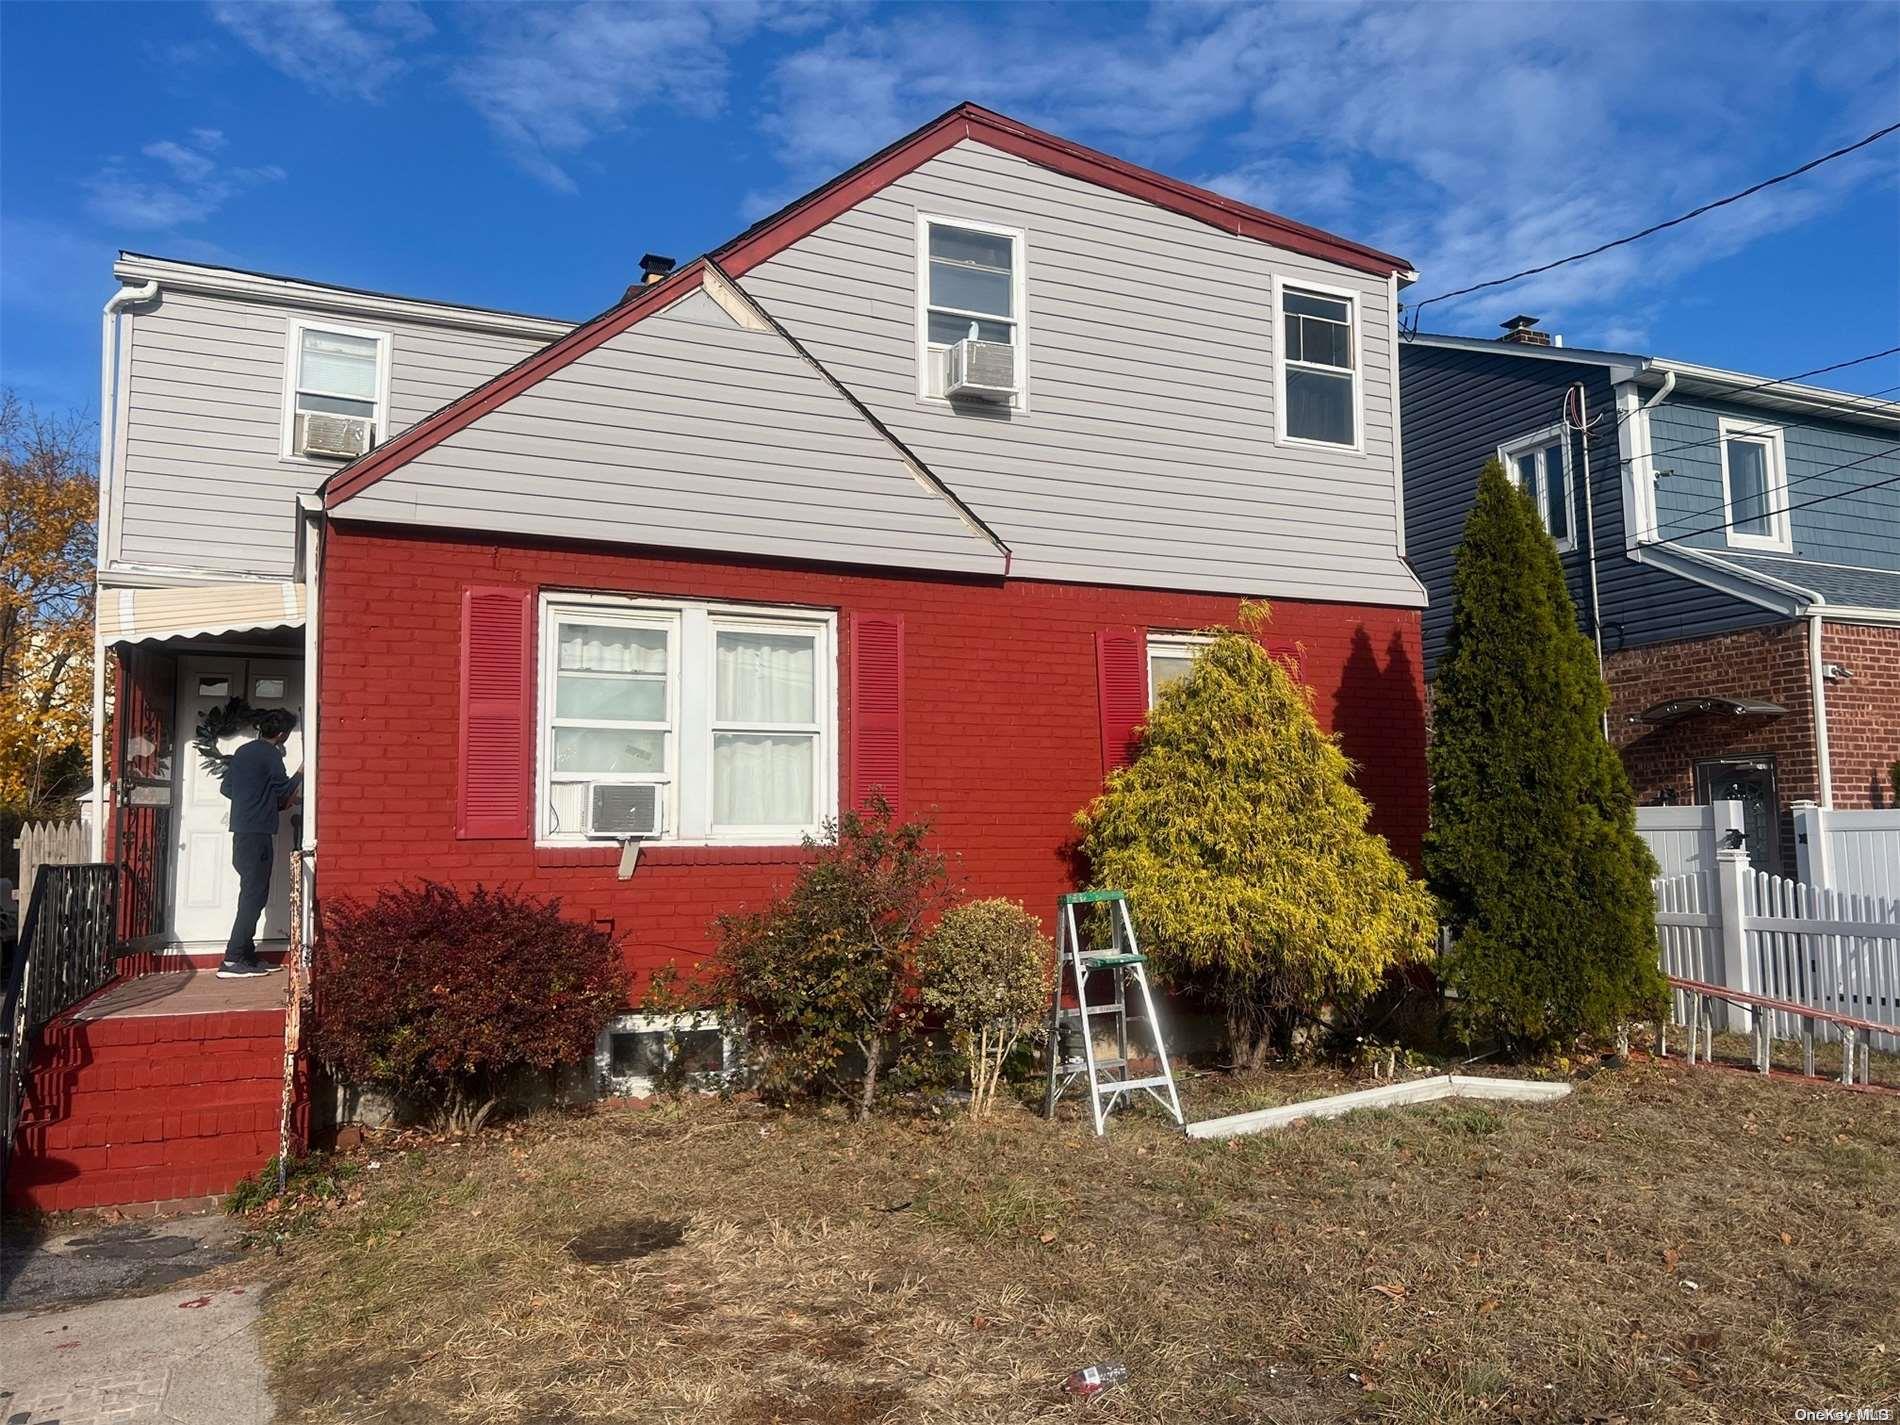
{"x": 1533, "y": 851}
{"x": 1245, "y": 853}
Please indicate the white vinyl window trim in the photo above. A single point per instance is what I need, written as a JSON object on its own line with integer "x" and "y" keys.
{"x": 1282, "y": 364}
{"x": 928, "y": 351}
{"x": 1171, "y": 649}
{"x": 294, "y": 387}
{"x": 665, "y": 1033}
{"x": 1768, "y": 439}
{"x": 1548, "y": 489}
{"x": 692, "y": 729}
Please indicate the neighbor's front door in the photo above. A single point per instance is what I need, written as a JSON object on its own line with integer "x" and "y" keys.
{"x": 1750, "y": 781}
{"x": 206, "y": 896}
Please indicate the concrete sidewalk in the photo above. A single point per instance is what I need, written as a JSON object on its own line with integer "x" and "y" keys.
{"x": 180, "y": 1358}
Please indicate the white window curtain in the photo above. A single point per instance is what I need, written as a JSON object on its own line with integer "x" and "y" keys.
{"x": 765, "y": 729}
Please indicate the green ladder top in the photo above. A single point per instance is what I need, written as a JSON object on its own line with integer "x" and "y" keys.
{"x": 1091, "y": 897}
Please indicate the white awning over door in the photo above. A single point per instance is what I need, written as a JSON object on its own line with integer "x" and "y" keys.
{"x": 154, "y": 615}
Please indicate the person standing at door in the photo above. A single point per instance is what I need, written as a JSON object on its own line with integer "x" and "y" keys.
{"x": 259, "y": 789}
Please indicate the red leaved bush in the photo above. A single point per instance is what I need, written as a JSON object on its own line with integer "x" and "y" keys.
{"x": 433, "y": 995}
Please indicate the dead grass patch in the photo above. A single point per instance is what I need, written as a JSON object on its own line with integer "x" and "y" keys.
{"x": 1663, "y": 1244}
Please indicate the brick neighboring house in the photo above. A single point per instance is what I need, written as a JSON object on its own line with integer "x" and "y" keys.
{"x": 1751, "y": 640}
{"x": 922, "y": 483}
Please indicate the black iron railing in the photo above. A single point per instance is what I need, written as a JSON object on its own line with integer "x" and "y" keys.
{"x": 65, "y": 952}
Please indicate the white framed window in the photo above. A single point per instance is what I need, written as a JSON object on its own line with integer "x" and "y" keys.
{"x": 1755, "y": 486}
{"x": 1540, "y": 462}
{"x": 729, "y": 711}
{"x": 970, "y": 283}
{"x": 1170, "y": 656}
{"x": 1318, "y": 366}
{"x": 633, "y": 1054}
{"x": 332, "y": 370}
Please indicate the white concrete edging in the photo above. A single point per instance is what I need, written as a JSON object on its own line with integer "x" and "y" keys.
{"x": 1385, "y": 1096}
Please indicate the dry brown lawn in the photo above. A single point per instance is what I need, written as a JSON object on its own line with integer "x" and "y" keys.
{"x": 1664, "y": 1244}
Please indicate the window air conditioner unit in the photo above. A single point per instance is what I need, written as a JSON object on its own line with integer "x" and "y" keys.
{"x": 623, "y": 811}
{"x": 980, "y": 370}
{"x": 340, "y": 437}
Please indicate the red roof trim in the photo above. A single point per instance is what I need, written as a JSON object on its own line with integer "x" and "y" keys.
{"x": 510, "y": 383}
{"x": 774, "y": 234}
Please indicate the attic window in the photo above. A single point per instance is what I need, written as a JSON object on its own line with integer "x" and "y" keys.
{"x": 969, "y": 286}
{"x": 336, "y": 393}
{"x": 1319, "y": 350}
{"x": 1755, "y": 486}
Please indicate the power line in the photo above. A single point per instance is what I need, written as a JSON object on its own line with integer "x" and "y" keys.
{"x": 1817, "y": 500}
{"x": 1782, "y": 425}
{"x": 1655, "y": 228}
{"x": 1789, "y": 485}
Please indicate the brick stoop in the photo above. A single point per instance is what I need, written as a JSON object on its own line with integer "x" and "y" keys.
{"x": 147, "y": 1108}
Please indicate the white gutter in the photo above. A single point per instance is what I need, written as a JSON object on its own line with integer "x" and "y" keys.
{"x": 1662, "y": 391}
{"x": 1817, "y": 682}
{"x": 108, "y": 442}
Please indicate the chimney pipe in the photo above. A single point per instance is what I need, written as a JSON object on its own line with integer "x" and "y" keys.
{"x": 653, "y": 267}
{"x": 1522, "y": 330}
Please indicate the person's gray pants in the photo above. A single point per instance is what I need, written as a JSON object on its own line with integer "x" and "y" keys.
{"x": 251, "y": 855}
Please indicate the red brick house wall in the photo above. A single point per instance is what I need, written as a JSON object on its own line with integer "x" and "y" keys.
{"x": 1001, "y": 719}
{"x": 1863, "y": 712}
{"x": 1769, "y": 663}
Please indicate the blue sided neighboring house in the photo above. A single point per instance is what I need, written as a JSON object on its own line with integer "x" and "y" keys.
{"x": 1738, "y": 556}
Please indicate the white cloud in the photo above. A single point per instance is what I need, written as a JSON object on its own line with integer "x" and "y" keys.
{"x": 349, "y": 53}
{"x": 183, "y": 183}
{"x": 1475, "y": 140}
{"x": 551, "y": 79}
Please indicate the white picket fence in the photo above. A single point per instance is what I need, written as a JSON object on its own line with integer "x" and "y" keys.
{"x": 1837, "y": 952}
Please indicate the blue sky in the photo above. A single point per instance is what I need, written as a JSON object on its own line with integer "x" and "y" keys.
{"x": 525, "y": 156}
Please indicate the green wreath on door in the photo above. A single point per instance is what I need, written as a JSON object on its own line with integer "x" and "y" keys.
{"x": 222, "y": 720}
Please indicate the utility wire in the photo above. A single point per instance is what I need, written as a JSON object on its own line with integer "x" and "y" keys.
{"x": 1817, "y": 500}
{"x": 1798, "y": 376}
{"x": 1789, "y": 485}
{"x": 1655, "y": 228}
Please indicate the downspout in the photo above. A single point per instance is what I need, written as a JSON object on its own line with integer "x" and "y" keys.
{"x": 108, "y": 401}
{"x": 1817, "y": 683}
{"x": 1590, "y": 533}
{"x": 1646, "y": 510}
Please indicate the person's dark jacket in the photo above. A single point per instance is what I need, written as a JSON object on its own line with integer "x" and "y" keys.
{"x": 257, "y": 785}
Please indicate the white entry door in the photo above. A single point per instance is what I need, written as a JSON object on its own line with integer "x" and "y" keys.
{"x": 205, "y": 898}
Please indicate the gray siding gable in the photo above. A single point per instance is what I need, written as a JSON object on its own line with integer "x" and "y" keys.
{"x": 685, "y": 431}
{"x": 1145, "y": 452}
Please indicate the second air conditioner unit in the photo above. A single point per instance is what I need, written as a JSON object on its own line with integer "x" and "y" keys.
{"x": 980, "y": 370}
{"x": 339, "y": 437}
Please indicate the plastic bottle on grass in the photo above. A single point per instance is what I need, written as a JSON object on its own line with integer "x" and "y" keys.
{"x": 1093, "y": 1380}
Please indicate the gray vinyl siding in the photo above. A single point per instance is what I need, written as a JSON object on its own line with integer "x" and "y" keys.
{"x": 1859, "y": 529}
{"x": 202, "y": 484}
{"x": 1458, "y": 408}
{"x": 1145, "y": 453}
{"x": 685, "y": 431}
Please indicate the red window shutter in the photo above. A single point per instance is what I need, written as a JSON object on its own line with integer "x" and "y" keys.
{"x": 1290, "y": 654}
{"x": 1121, "y": 680}
{"x": 494, "y": 799}
{"x": 877, "y": 708}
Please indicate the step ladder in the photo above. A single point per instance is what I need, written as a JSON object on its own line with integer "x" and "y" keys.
{"x": 1071, "y": 1051}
